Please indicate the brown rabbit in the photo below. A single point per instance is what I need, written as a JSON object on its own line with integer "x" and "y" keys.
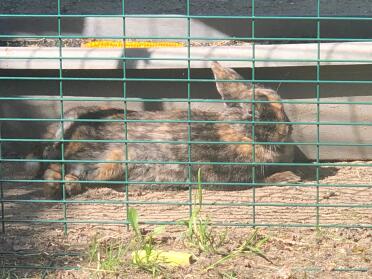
{"x": 52, "y": 150}
{"x": 167, "y": 161}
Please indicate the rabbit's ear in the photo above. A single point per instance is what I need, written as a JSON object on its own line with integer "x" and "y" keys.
{"x": 229, "y": 90}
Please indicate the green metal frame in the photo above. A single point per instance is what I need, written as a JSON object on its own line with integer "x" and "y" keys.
{"x": 317, "y": 205}
{"x": 61, "y": 98}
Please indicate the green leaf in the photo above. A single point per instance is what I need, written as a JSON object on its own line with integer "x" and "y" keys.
{"x": 133, "y": 221}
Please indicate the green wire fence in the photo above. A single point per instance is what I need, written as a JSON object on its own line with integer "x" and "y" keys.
{"x": 253, "y": 203}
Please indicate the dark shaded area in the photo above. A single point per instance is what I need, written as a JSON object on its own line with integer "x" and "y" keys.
{"x": 197, "y": 7}
{"x": 170, "y": 89}
{"x": 264, "y": 28}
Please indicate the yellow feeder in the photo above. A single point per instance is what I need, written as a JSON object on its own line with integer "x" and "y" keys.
{"x": 131, "y": 44}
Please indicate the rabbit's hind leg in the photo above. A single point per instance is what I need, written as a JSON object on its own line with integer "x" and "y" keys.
{"x": 74, "y": 173}
{"x": 110, "y": 169}
{"x": 52, "y": 189}
{"x": 72, "y": 186}
{"x": 55, "y": 189}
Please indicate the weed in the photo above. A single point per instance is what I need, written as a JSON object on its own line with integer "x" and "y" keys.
{"x": 7, "y": 274}
{"x": 113, "y": 258}
{"x": 199, "y": 232}
{"x": 251, "y": 245}
{"x": 93, "y": 250}
{"x": 142, "y": 240}
{"x": 133, "y": 221}
{"x": 150, "y": 261}
{"x": 15, "y": 273}
{"x": 229, "y": 275}
{"x": 108, "y": 256}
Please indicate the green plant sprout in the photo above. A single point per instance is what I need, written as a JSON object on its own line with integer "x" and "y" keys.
{"x": 199, "y": 230}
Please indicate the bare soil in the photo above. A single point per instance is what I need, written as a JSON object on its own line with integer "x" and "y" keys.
{"x": 294, "y": 252}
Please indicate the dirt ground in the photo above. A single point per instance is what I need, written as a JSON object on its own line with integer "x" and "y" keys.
{"x": 293, "y": 252}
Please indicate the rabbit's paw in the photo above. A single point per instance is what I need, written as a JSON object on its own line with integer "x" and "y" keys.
{"x": 72, "y": 187}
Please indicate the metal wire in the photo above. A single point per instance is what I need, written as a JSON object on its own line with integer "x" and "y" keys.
{"x": 252, "y": 206}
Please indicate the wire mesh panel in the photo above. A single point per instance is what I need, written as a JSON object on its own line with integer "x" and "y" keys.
{"x": 110, "y": 106}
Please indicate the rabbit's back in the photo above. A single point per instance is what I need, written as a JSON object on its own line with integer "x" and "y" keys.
{"x": 160, "y": 151}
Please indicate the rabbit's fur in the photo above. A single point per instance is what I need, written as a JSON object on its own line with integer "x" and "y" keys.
{"x": 140, "y": 152}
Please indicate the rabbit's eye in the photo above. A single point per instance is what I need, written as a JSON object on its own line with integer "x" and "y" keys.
{"x": 247, "y": 111}
{"x": 247, "y": 115}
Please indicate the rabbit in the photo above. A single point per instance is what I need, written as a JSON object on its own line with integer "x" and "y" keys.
{"x": 173, "y": 157}
{"x": 50, "y": 150}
